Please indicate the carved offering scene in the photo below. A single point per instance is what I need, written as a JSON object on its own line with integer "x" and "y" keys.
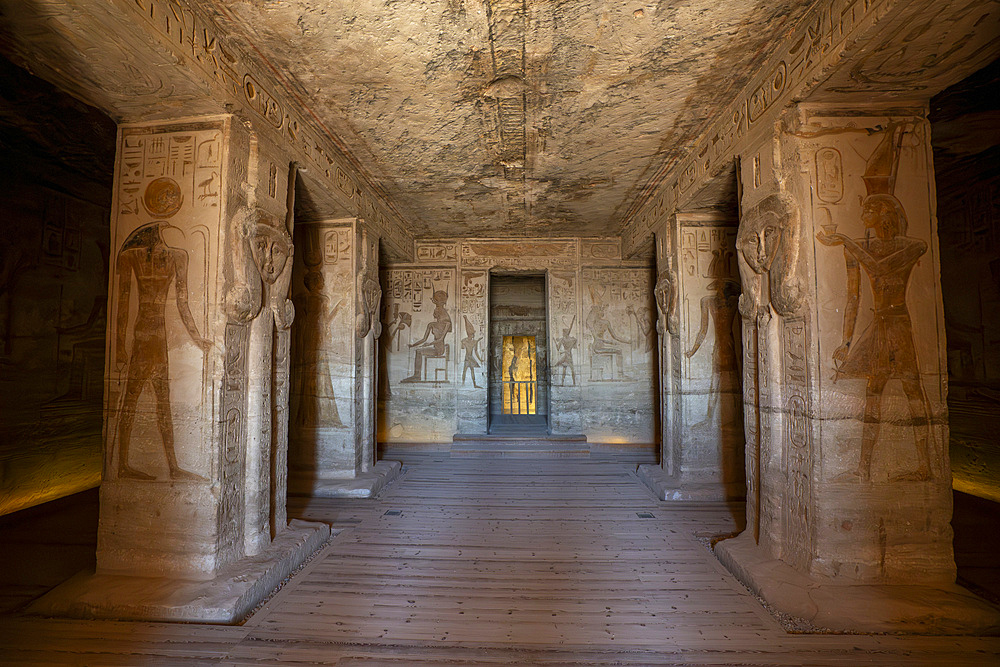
{"x": 883, "y": 358}
{"x": 424, "y": 349}
{"x": 618, "y": 351}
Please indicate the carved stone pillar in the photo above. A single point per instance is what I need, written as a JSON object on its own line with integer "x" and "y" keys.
{"x": 701, "y": 413}
{"x": 849, "y": 487}
{"x": 194, "y": 432}
{"x": 335, "y": 360}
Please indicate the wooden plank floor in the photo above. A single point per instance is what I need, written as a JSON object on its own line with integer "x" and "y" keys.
{"x": 496, "y": 563}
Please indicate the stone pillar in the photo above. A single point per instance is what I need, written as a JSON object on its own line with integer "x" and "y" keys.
{"x": 849, "y": 487}
{"x": 198, "y": 320}
{"x": 664, "y": 478}
{"x": 368, "y": 328}
{"x": 710, "y": 420}
{"x": 701, "y": 413}
{"x": 335, "y": 359}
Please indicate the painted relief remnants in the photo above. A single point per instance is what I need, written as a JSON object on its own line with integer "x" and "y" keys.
{"x": 619, "y": 299}
{"x": 156, "y": 267}
{"x": 411, "y": 293}
{"x": 885, "y": 349}
{"x": 768, "y": 241}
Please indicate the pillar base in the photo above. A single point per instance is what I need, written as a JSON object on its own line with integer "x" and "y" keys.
{"x": 363, "y": 485}
{"x": 654, "y": 477}
{"x": 851, "y": 607}
{"x": 226, "y": 599}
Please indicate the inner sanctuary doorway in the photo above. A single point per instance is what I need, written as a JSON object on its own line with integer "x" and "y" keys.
{"x": 518, "y": 358}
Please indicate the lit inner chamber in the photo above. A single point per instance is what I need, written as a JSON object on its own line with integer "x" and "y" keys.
{"x": 520, "y": 383}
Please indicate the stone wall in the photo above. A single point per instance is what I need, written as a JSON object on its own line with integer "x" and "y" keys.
{"x": 600, "y": 331}
{"x": 57, "y": 156}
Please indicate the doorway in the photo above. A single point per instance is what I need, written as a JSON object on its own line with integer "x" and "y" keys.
{"x": 518, "y": 368}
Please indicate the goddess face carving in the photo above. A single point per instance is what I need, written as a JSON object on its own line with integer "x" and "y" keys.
{"x": 759, "y": 244}
{"x": 768, "y": 242}
{"x": 270, "y": 252}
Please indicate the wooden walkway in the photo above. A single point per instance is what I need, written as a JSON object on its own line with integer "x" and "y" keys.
{"x": 487, "y": 562}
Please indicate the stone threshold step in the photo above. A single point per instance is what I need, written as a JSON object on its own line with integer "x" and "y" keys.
{"x": 520, "y": 448}
{"x": 517, "y": 437}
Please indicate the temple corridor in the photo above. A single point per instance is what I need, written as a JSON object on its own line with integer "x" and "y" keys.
{"x": 530, "y": 561}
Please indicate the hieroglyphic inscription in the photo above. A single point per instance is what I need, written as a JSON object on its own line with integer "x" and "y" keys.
{"x": 519, "y": 254}
{"x": 819, "y": 37}
{"x": 796, "y": 452}
{"x": 234, "y": 406}
{"x": 436, "y": 252}
{"x": 829, "y": 175}
{"x": 751, "y": 423}
{"x": 227, "y": 61}
{"x": 600, "y": 249}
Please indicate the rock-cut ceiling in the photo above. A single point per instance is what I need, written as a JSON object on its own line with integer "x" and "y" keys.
{"x": 523, "y": 117}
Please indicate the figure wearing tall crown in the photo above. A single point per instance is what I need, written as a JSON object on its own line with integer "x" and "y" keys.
{"x": 885, "y": 350}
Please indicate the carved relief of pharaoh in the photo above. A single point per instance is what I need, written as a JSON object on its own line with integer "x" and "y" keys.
{"x": 271, "y": 248}
{"x": 768, "y": 242}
